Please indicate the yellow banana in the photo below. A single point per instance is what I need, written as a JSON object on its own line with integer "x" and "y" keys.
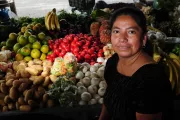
{"x": 49, "y": 21}
{"x": 53, "y": 21}
{"x": 172, "y": 74}
{"x": 173, "y": 56}
{"x": 46, "y": 17}
{"x": 156, "y": 57}
{"x": 57, "y": 22}
{"x": 177, "y": 62}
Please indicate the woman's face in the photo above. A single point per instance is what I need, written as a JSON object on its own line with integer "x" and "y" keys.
{"x": 126, "y": 36}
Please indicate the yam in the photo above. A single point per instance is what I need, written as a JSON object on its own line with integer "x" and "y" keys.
{"x": 33, "y": 103}
{"x": 13, "y": 93}
{"x": 24, "y": 93}
{"x": 11, "y": 106}
{"x": 23, "y": 87}
{"x": 50, "y": 103}
{"x": 25, "y": 108}
{"x": 21, "y": 101}
{"x": 4, "y": 88}
{"x": 28, "y": 95}
{"x": 9, "y": 83}
{"x": 9, "y": 70}
{"x": 5, "y": 109}
{"x": 16, "y": 83}
{"x": 45, "y": 97}
{"x": 7, "y": 99}
{"x": 25, "y": 80}
{"x": 41, "y": 90}
{"x": 18, "y": 74}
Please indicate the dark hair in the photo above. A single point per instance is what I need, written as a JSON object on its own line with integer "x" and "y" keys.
{"x": 134, "y": 12}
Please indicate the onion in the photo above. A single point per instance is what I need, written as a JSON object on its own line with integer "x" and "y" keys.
{"x": 86, "y": 96}
{"x": 100, "y": 59}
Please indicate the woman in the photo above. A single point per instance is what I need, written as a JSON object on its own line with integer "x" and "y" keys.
{"x": 138, "y": 88}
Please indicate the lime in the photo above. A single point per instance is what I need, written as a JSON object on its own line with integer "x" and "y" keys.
{"x": 45, "y": 49}
{"x": 13, "y": 36}
{"x": 29, "y": 45}
{"x": 25, "y": 51}
{"x": 16, "y": 47}
{"x": 23, "y": 40}
{"x": 36, "y": 45}
{"x": 32, "y": 38}
{"x": 27, "y": 33}
{"x": 23, "y": 29}
{"x": 45, "y": 42}
{"x": 35, "y": 53}
{"x": 41, "y": 36}
{"x": 43, "y": 56}
{"x": 10, "y": 43}
{"x": 27, "y": 58}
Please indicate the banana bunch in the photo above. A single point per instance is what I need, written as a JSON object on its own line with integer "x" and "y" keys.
{"x": 51, "y": 20}
{"x": 172, "y": 61}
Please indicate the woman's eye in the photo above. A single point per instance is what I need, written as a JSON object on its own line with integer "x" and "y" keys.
{"x": 115, "y": 31}
{"x": 131, "y": 32}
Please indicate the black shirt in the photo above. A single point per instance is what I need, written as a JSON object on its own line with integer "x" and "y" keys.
{"x": 147, "y": 91}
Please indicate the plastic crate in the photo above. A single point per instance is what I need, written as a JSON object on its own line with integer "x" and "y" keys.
{"x": 82, "y": 4}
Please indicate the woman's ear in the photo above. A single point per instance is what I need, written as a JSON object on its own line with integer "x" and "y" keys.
{"x": 144, "y": 40}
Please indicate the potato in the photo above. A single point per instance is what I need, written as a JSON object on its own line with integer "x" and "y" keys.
{"x": 7, "y": 99}
{"x": 9, "y": 70}
{"x": 9, "y": 83}
{"x": 4, "y": 88}
{"x": 23, "y": 87}
{"x": 11, "y": 106}
{"x": 16, "y": 83}
{"x": 2, "y": 103}
{"x": 25, "y": 80}
{"x": 18, "y": 74}
{"x": 28, "y": 95}
{"x": 2, "y": 96}
{"x": 24, "y": 93}
{"x": 33, "y": 103}
{"x": 25, "y": 108}
{"x": 45, "y": 97}
{"x": 5, "y": 109}
{"x": 13, "y": 93}
{"x": 21, "y": 101}
{"x": 46, "y": 81}
{"x": 17, "y": 105}
{"x": 50, "y": 103}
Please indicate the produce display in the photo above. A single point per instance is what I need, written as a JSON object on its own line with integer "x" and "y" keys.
{"x": 59, "y": 59}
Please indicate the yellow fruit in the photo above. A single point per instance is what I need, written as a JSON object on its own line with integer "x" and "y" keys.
{"x": 32, "y": 38}
{"x": 18, "y": 57}
{"x": 35, "y": 53}
{"x": 27, "y": 58}
{"x": 41, "y": 36}
{"x": 16, "y": 47}
{"x": 13, "y": 36}
{"x": 36, "y": 45}
{"x": 43, "y": 56}
{"x": 45, "y": 49}
{"x": 23, "y": 40}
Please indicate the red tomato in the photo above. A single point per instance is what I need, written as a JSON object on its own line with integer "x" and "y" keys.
{"x": 90, "y": 38}
{"x": 87, "y": 56}
{"x": 92, "y": 63}
{"x": 70, "y": 37}
{"x": 76, "y": 39}
{"x": 79, "y": 43}
{"x": 56, "y": 51}
{"x": 82, "y": 53}
{"x": 66, "y": 41}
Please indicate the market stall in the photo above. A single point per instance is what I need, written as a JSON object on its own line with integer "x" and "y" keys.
{"x": 54, "y": 65}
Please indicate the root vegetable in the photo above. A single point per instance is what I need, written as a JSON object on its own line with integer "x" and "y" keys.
{"x": 4, "y": 88}
{"x": 38, "y": 80}
{"x": 24, "y": 74}
{"x": 41, "y": 90}
{"x": 92, "y": 102}
{"x": 45, "y": 73}
{"x": 21, "y": 101}
{"x": 92, "y": 89}
{"x": 47, "y": 63}
{"x": 81, "y": 102}
{"x": 86, "y": 64}
{"x": 33, "y": 103}
{"x": 93, "y": 68}
{"x": 9, "y": 83}
{"x": 30, "y": 63}
{"x": 37, "y": 62}
{"x": 15, "y": 64}
{"x": 86, "y": 81}
{"x": 23, "y": 87}
{"x": 103, "y": 84}
{"x": 13, "y": 93}
{"x": 7, "y": 99}
{"x": 46, "y": 81}
{"x": 85, "y": 96}
{"x": 88, "y": 74}
{"x": 101, "y": 101}
{"x": 11, "y": 106}
{"x": 79, "y": 75}
{"x": 37, "y": 95}
{"x": 28, "y": 95}
{"x": 17, "y": 105}
{"x": 5, "y": 109}
{"x": 37, "y": 67}
{"x": 53, "y": 78}
{"x": 2, "y": 103}
{"x": 79, "y": 84}
{"x": 81, "y": 89}
{"x": 45, "y": 97}
{"x": 32, "y": 71}
{"x": 96, "y": 96}
{"x": 25, "y": 108}
{"x": 95, "y": 81}
{"x": 101, "y": 91}
{"x": 16, "y": 83}
{"x": 2, "y": 96}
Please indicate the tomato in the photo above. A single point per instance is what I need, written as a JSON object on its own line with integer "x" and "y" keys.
{"x": 82, "y": 53}
{"x": 87, "y": 56}
{"x": 66, "y": 41}
{"x": 67, "y": 48}
{"x": 86, "y": 36}
{"x": 62, "y": 53}
{"x": 56, "y": 51}
{"x": 90, "y": 38}
{"x": 79, "y": 43}
{"x": 87, "y": 43}
{"x": 70, "y": 37}
{"x": 100, "y": 54}
{"x": 76, "y": 39}
{"x": 94, "y": 56}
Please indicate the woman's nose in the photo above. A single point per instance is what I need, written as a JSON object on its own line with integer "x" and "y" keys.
{"x": 123, "y": 37}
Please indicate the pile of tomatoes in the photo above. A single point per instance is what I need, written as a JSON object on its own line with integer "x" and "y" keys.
{"x": 86, "y": 48}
